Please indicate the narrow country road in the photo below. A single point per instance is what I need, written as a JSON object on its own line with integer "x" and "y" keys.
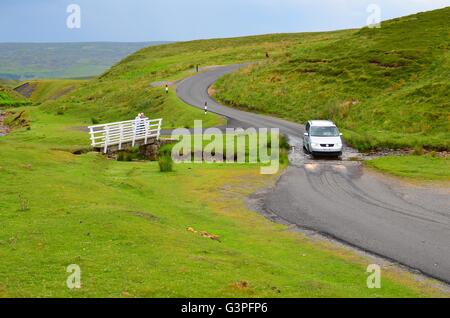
{"x": 407, "y": 224}
{"x": 194, "y": 91}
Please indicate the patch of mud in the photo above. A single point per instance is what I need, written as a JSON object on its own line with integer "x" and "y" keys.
{"x": 79, "y": 128}
{"x": 162, "y": 84}
{"x": 404, "y": 152}
{"x": 17, "y": 121}
{"x": 82, "y": 151}
{"x": 146, "y": 215}
{"x": 211, "y": 91}
{"x": 26, "y": 89}
{"x": 4, "y": 130}
{"x": 62, "y": 93}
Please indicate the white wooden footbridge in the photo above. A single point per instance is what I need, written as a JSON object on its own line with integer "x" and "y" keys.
{"x": 125, "y": 133}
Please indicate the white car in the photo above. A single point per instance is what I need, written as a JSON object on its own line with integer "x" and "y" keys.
{"x": 322, "y": 137}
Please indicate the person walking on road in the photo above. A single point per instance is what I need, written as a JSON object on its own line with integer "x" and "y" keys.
{"x": 206, "y": 108}
{"x": 167, "y": 89}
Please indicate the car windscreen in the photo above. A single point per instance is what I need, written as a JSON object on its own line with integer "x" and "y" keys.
{"x": 324, "y": 132}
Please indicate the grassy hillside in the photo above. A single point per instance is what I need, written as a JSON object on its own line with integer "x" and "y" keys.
{"x": 386, "y": 87}
{"x": 39, "y": 91}
{"x": 9, "y": 83}
{"x": 9, "y": 98}
{"x": 20, "y": 61}
{"x": 126, "y": 89}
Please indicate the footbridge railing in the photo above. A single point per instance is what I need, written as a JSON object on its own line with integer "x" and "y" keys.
{"x": 124, "y": 132}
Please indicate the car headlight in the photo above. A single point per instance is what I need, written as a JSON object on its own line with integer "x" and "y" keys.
{"x": 339, "y": 145}
{"x": 314, "y": 144}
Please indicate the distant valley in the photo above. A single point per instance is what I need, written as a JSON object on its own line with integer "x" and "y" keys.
{"x": 23, "y": 61}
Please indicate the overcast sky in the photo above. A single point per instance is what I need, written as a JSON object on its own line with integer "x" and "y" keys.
{"x": 175, "y": 20}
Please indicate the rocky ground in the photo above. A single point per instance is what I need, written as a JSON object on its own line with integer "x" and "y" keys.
{"x": 4, "y": 130}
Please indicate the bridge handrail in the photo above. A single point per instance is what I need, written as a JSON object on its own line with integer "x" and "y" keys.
{"x": 122, "y": 122}
{"x": 118, "y": 133}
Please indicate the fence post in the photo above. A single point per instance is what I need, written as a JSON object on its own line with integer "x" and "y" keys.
{"x": 91, "y": 130}
{"x": 159, "y": 129}
{"x": 106, "y": 139}
{"x": 146, "y": 123}
{"x": 121, "y": 136}
{"x": 134, "y": 133}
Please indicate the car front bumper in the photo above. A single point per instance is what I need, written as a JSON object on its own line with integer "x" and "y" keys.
{"x": 326, "y": 151}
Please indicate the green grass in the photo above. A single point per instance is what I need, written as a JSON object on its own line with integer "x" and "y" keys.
{"x": 9, "y": 98}
{"x": 124, "y": 224}
{"x": 46, "y": 89}
{"x": 414, "y": 167}
{"x": 165, "y": 163}
{"x": 386, "y": 88}
{"x": 9, "y": 83}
